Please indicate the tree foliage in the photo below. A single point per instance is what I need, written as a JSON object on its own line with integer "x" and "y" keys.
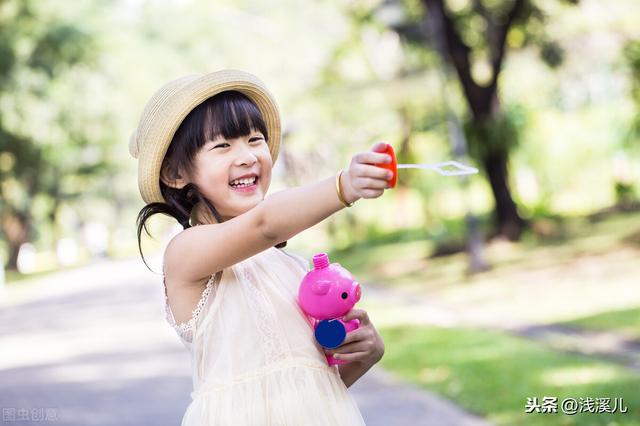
{"x": 49, "y": 147}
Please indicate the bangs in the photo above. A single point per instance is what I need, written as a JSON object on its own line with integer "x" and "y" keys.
{"x": 232, "y": 115}
{"x": 228, "y": 114}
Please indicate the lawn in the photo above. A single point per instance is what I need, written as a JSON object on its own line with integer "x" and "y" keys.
{"x": 493, "y": 374}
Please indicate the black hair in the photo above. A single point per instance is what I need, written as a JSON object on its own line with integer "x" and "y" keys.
{"x": 202, "y": 124}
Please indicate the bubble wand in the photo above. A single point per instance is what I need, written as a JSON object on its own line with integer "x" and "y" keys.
{"x": 446, "y": 168}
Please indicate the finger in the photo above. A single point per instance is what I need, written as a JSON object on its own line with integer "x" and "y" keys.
{"x": 371, "y": 183}
{"x": 379, "y": 147}
{"x": 356, "y": 356}
{"x": 359, "y": 314}
{"x": 372, "y": 193}
{"x": 369, "y": 170}
{"x": 356, "y": 335}
{"x": 359, "y": 346}
{"x": 375, "y": 172}
{"x": 372, "y": 158}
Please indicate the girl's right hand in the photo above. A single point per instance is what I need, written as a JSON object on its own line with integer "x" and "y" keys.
{"x": 363, "y": 179}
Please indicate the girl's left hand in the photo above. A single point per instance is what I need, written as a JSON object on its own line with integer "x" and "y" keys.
{"x": 363, "y": 344}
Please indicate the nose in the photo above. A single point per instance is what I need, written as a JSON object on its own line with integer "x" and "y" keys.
{"x": 357, "y": 292}
{"x": 246, "y": 157}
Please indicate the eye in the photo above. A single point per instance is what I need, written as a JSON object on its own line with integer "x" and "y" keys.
{"x": 344, "y": 295}
{"x": 256, "y": 139}
{"x": 220, "y": 145}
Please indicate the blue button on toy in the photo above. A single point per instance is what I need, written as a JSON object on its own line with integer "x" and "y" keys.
{"x": 330, "y": 333}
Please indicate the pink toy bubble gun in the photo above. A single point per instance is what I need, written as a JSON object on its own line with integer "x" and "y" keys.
{"x": 327, "y": 293}
{"x": 447, "y": 168}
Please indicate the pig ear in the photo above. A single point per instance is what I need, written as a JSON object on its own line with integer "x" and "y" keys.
{"x": 320, "y": 287}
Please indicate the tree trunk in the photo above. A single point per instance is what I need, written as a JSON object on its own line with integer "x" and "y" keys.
{"x": 16, "y": 228}
{"x": 482, "y": 99}
{"x": 508, "y": 221}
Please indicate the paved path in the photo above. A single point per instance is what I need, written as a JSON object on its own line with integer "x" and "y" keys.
{"x": 90, "y": 347}
{"x": 604, "y": 344}
{"x": 385, "y": 401}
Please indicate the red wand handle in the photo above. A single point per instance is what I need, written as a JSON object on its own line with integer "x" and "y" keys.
{"x": 393, "y": 165}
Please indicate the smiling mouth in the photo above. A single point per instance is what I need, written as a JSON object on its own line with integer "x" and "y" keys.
{"x": 246, "y": 184}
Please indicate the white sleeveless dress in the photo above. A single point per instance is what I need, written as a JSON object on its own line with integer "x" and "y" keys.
{"x": 254, "y": 357}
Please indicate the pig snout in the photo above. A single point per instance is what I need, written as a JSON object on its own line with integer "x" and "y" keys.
{"x": 356, "y": 293}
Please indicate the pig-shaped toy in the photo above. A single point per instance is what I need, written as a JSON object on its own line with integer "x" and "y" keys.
{"x": 326, "y": 294}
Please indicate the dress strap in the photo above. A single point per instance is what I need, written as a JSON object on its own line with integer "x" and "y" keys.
{"x": 298, "y": 259}
{"x": 186, "y": 326}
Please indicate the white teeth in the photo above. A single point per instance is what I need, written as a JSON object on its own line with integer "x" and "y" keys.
{"x": 243, "y": 182}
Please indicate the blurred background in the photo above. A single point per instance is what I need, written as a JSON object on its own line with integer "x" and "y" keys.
{"x": 519, "y": 282}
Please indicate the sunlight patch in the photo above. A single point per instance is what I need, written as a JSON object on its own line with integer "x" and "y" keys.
{"x": 434, "y": 375}
{"x": 581, "y": 375}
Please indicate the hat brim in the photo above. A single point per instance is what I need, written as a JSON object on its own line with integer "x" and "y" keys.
{"x": 173, "y": 102}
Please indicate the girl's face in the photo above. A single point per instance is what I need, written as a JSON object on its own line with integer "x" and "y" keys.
{"x": 234, "y": 174}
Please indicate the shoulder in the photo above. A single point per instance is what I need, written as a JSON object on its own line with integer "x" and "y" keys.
{"x": 203, "y": 250}
{"x": 173, "y": 264}
{"x": 186, "y": 236}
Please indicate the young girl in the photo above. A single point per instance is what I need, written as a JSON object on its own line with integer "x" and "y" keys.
{"x": 205, "y": 147}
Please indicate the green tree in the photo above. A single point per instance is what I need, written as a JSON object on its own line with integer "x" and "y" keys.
{"x": 632, "y": 57}
{"x": 474, "y": 35}
{"x": 44, "y": 136}
{"x": 624, "y": 184}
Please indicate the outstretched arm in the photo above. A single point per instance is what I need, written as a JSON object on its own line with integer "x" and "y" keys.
{"x": 197, "y": 253}
{"x": 288, "y": 212}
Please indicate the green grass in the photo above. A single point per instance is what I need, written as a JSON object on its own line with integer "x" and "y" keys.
{"x": 493, "y": 374}
{"x": 591, "y": 269}
{"x": 625, "y": 321}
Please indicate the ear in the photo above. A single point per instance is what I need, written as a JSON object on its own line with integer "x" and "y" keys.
{"x": 170, "y": 176}
{"x": 320, "y": 288}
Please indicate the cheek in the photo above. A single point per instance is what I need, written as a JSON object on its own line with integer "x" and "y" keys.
{"x": 266, "y": 175}
{"x": 265, "y": 183}
{"x": 266, "y": 165}
{"x": 212, "y": 182}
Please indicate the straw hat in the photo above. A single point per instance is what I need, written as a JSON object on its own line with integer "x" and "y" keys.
{"x": 167, "y": 108}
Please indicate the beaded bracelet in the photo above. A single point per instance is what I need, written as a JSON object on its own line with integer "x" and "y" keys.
{"x": 339, "y": 191}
